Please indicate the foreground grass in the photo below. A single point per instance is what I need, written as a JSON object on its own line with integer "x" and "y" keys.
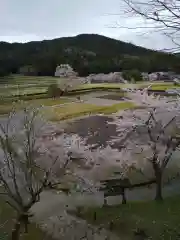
{"x": 158, "y": 221}
{"x": 8, "y": 106}
{"x": 80, "y": 109}
{"x": 7, "y": 215}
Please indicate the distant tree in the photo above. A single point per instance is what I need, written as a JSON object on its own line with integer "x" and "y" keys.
{"x": 28, "y": 70}
{"x": 132, "y": 74}
{"x": 3, "y": 72}
{"x": 137, "y": 76}
{"x": 63, "y": 86}
{"x": 125, "y": 75}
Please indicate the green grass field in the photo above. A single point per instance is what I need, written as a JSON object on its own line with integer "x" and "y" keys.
{"x": 160, "y": 221}
{"x": 81, "y": 109}
{"x": 7, "y": 107}
{"x": 20, "y": 85}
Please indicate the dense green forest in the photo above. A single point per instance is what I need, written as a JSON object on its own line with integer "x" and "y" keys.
{"x": 87, "y": 53}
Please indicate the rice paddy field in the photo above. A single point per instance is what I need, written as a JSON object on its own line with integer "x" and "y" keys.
{"x": 33, "y": 90}
{"x": 25, "y": 85}
{"x": 144, "y": 216}
{"x": 22, "y": 85}
{"x": 81, "y": 109}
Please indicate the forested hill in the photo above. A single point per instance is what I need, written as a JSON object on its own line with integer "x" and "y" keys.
{"x": 87, "y": 53}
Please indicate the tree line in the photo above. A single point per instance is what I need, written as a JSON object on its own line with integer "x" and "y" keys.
{"x": 87, "y": 53}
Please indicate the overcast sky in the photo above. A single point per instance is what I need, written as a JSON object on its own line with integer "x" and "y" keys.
{"x": 27, "y": 20}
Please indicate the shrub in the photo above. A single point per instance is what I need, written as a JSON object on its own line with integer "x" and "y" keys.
{"x": 132, "y": 74}
{"x": 54, "y": 90}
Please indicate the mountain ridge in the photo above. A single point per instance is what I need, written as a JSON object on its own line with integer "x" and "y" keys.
{"x": 83, "y": 36}
{"x": 76, "y": 36}
{"x": 87, "y": 53}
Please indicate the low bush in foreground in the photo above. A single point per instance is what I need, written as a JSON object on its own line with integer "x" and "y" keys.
{"x": 156, "y": 221}
{"x": 54, "y": 90}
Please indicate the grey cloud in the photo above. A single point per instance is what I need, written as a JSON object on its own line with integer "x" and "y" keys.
{"x": 47, "y": 19}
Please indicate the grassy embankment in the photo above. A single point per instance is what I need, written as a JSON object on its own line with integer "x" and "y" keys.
{"x": 8, "y": 106}
{"x": 164, "y": 86}
{"x": 80, "y": 109}
{"x": 107, "y": 86}
{"x": 157, "y": 220}
{"x": 21, "y": 85}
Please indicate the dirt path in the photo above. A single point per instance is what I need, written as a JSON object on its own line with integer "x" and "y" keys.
{"x": 50, "y": 213}
{"x": 51, "y": 200}
{"x": 101, "y": 102}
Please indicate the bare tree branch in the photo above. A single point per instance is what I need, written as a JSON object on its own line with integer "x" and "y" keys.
{"x": 158, "y": 14}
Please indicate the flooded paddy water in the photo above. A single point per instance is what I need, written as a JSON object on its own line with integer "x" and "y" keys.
{"x": 94, "y": 129}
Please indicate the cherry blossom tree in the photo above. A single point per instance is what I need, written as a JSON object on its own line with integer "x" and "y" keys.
{"x": 155, "y": 137}
{"x": 26, "y": 167}
{"x": 64, "y": 85}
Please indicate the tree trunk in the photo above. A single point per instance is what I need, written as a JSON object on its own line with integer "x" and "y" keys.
{"x": 105, "y": 202}
{"x": 158, "y": 196}
{"x": 124, "y": 201}
{"x": 16, "y": 230}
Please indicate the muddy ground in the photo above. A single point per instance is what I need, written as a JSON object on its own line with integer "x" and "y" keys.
{"x": 96, "y": 130}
